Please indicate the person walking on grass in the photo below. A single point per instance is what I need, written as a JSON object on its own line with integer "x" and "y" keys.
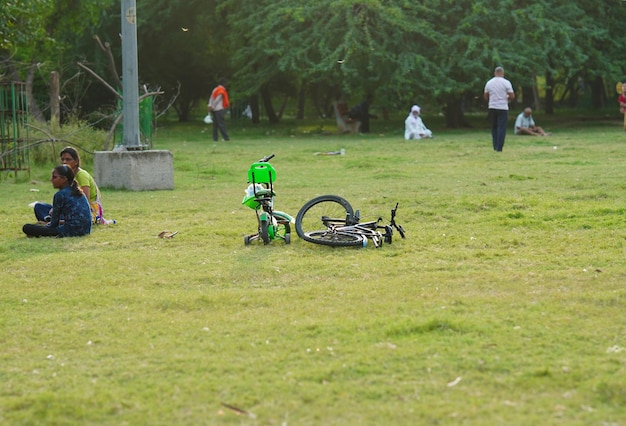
{"x": 498, "y": 92}
{"x": 218, "y": 104}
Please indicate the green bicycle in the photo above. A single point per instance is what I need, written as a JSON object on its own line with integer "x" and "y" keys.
{"x": 271, "y": 224}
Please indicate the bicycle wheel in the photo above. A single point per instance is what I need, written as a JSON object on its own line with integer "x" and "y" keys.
{"x": 310, "y": 216}
{"x": 336, "y": 239}
{"x": 264, "y": 232}
{"x": 283, "y": 228}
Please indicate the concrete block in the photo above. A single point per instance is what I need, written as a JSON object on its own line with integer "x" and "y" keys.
{"x": 134, "y": 170}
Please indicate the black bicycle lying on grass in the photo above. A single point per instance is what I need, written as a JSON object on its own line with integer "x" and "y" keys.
{"x": 330, "y": 220}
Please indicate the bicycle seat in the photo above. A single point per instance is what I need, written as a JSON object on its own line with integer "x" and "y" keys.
{"x": 261, "y": 173}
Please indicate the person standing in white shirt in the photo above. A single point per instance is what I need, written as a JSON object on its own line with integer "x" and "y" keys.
{"x": 498, "y": 92}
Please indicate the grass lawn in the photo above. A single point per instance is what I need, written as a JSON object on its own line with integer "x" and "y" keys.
{"x": 505, "y": 305}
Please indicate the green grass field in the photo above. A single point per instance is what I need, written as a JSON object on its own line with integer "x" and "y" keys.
{"x": 505, "y": 305}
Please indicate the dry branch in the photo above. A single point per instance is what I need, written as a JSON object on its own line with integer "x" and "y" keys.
{"x": 106, "y": 48}
{"x": 93, "y": 73}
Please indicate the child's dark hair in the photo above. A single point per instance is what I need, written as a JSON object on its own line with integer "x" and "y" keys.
{"x": 66, "y": 171}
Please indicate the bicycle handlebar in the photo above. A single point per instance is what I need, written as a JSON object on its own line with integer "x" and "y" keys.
{"x": 266, "y": 159}
{"x": 393, "y": 221}
{"x": 393, "y": 211}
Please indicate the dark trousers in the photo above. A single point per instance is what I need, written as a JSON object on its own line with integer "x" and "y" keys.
{"x": 499, "y": 120}
{"x": 36, "y": 230}
{"x": 42, "y": 211}
{"x": 219, "y": 123}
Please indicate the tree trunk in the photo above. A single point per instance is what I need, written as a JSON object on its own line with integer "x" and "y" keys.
{"x": 301, "y": 102}
{"x": 536, "y": 96}
{"x": 598, "y": 93}
{"x": 34, "y": 110}
{"x": 528, "y": 97}
{"x": 453, "y": 111}
{"x": 282, "y": 107}
{"x": 55, "y": 110}
{"x": 184, "y": 109}
{"x": 254, "y": 107}
{"x": 549, "y": 93}
{"x": 267, "y": 103}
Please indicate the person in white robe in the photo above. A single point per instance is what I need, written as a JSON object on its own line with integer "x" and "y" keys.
{"x": 414, "y": 127}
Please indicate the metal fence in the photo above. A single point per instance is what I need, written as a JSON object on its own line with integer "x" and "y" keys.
{"x": 13, "y": 128}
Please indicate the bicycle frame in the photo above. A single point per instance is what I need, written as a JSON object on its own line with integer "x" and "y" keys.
{"x": 368, "y": 230}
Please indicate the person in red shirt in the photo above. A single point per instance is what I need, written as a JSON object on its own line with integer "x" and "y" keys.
{"x": 218, "y": 104}
{"x": 622, "y": 103}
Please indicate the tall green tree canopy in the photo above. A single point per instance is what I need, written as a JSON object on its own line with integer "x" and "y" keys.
{"x": 438, "y": 52}
{"x": 358, "y": 47}
{"x": 181, "y": 44}
{"x": 37, "y": 37}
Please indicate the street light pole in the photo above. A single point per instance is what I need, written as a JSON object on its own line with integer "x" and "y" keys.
{"x": 130, "y": 76}
{"x": 133, "y": 166}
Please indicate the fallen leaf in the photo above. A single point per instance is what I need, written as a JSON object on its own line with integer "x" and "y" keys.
{"x": 454, "y": 382}
{"x": 167, "y": 234}
{"x": 239, "y": 411}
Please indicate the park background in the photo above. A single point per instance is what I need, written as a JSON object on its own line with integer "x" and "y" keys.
{"x": 293, "y": 58}
{"x": 504, "y": 305}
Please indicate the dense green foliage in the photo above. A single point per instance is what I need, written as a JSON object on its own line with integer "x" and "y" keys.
{"x": 503, "y": 306}
{"x": 436, "y": 52}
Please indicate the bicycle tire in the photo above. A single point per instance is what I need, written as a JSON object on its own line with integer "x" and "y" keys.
{"x": 336, "y": 239}
{"x": 283, "y": 229}
{"x": 309, "y": 217}
{"x": 283, "y": 225}
{"x": 264, "y": 232}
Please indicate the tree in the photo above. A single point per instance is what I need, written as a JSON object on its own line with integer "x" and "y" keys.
{"x": 21, "y": 23}
{"x": 180, "y": 43}
{"x": 38, "y": 36}
{"x": 435, "y": 52}
{"x": 602, "y": 36}
{"x": 354, "y": 47}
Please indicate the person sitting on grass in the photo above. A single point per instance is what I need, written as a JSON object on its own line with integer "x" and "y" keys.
{"x": 525, "y": 125}
{"x": 414, "y": 127}
{"x": 69, "y": 203}
{"x": 86, "y": 182}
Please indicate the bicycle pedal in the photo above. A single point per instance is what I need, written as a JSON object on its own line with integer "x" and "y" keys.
{"x": 356, "y": 217}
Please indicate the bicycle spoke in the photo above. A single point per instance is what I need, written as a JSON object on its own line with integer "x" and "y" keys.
{"x": 317, "y": 214}
{"x": 336, "y": 239}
